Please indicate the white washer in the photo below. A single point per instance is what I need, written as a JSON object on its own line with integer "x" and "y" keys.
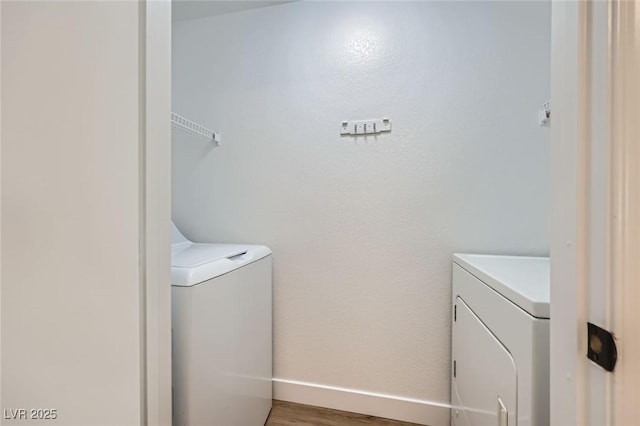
{"x": 500, "y": 341}
{"x": 221, "y": 341}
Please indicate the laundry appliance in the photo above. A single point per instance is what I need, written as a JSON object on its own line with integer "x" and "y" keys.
{"x": 500, "y": 341}
{"x": 221, "y": 333}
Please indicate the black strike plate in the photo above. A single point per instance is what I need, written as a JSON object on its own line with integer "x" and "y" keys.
{"x": 601, "y": 347}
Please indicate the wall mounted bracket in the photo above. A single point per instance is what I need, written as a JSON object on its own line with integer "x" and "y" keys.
{"x": 365, "y": 127}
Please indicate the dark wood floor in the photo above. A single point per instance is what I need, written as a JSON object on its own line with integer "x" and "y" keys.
{"x": 288, "y": 413}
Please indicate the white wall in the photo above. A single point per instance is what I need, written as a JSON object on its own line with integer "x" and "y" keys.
{"x": 363, "y": 229}
{"x": 76, "y": 212}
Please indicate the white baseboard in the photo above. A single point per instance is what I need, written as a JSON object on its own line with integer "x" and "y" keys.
{"x": 374, "y": 404}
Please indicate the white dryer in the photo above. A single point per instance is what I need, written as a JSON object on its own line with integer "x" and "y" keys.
{"x": 500, "y": 341}
{"x": 221, "y": 333}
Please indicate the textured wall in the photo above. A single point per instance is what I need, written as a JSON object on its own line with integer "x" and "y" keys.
{"x": 363, "y": 229}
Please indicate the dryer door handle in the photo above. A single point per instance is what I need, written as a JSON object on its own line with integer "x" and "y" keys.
{"x": 503, "y": 414}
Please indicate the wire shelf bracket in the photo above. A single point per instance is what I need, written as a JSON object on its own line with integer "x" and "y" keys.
{"x": 195, "y": 128}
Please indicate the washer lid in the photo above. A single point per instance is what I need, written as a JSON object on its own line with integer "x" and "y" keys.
{"x": 523, "y": 280}
{"x": 191, "y": 255}
{"x": 193, "y": 263}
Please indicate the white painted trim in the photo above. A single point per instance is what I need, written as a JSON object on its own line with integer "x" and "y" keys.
{"x": 142, "y": 210}
{"x": 358, "y": 401}
{"x": 581, "y": 392}
{"x": 155, "y": 169}
{"x": 624, "y": 204}
{"x": 1, "y": 201}
{"x": 569, "y": 73}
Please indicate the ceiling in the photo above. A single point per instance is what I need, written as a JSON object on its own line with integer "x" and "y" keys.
{"x": 193, "y": 9}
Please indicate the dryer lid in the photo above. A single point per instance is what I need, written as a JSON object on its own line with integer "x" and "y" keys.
{"x": 523, "y": 280}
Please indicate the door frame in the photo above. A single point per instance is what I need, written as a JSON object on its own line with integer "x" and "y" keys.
{"x": 595, "y": 110}
{"x": 624, "y": 203}
{"x": 155, "y": 207}
{"x": 0, "y": 201}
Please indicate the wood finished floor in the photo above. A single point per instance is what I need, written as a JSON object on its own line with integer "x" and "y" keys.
{"x": 288, "y": 413}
